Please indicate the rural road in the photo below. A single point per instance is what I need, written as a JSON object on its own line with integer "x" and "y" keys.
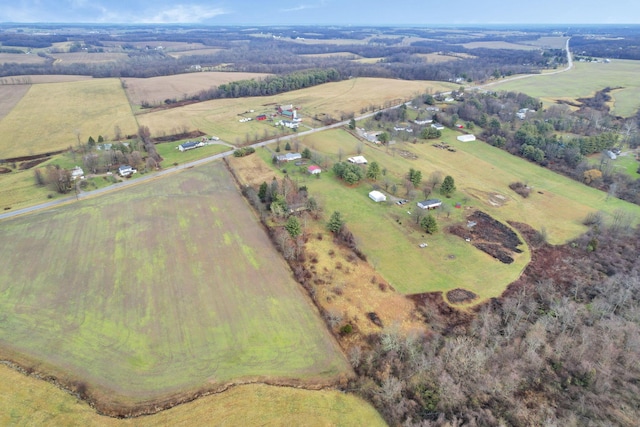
{"x": 149, "y": 177}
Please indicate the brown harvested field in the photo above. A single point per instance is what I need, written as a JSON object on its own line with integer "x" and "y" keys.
{"x": 10, "y": 95}
{"x": 155, "y": 90}
{"x": 549, "y": 42}
{"x": 435, "y": 58}
{"x": 347, "y": 55}
{"x": 18, "y": 58}
{"x": 87, "y": 58}
{"x": 192, "y": 52}
{"x": 45, "y": 78}
{"x": 251, "y": 170}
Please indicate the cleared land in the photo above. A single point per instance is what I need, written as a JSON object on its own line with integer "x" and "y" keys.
{"x": 155, "y": 90}
{"x": 10, "y": 95}
{"x": 173, "y": 288}
{"x": 44, "y": 78}
{"x": 220, "y": 117}
{"x": 499, "y": 45}
{"x": 53, "y": 116}
{"x": 20, "y": 58}
{"x": 584, "y": 80}
{"x": 27, "y": 401}
{"x": 88, "y": 58}
{"x": 549, "y": 42}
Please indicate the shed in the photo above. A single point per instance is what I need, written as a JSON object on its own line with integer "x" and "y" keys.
{"x": 466, "y": 138}
{"x": 377, "y": 196}
{"x": 358, "y": 160}
{"x": 314, "y": 170}
{"x": 430, "y": 204}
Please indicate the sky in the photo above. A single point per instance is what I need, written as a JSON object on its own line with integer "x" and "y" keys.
{"x": 323, "y": 12}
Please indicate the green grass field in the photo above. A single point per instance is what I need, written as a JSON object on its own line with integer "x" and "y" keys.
{"x": 481, "y": 172}
{"x": 51, "y": 116}
{"x": 583, "y": 81}
{"x": 26, "y": 401}
{"x": 158, "y": 290}
{"x": 170, "y": 153}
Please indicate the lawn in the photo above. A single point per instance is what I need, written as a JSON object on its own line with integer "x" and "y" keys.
{"x": 55, "y": 116}
{"x": 27, "y": 401}
{"x": 584, "y": 80}
{"x": 171, "y": 154}
{"x": 173, "y": 287}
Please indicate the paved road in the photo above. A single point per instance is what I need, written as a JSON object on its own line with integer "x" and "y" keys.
{"x": 146, "y": 178}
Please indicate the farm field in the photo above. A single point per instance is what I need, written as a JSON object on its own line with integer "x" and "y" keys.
{"x": 155, "y": 90}
{"x": 20, "y": 58}
{"x": 482, "y": 174}
{"x": 27, "y": 401}
{"x": 174, "y": 289}
{"x": 499, "y": 45}
{"x": 10, "y": 95}
{"x": 584, "y": 80}
{"x": 61, "y": 113}
{"x": 220, "y": 117}
{"x": 88, "y": 58}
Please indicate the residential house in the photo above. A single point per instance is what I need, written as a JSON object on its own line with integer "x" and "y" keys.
{"x": 190, "y": 145}
{"x": 377, "y": 196}
{"x": 288, "y": 157}
{"x": 358, "y": 160}
{"x": 430, "y": 204}
{"x": 314, "y": 170}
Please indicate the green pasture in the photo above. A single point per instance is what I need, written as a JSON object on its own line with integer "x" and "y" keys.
{"x": 53, "y": 116}
{"x": 482, "y": 174}
{"x": 171, "y": 154}
{"x": 584, "y": 80}
{"x": 625, "y": 163}
{"x": 157, "y": 290}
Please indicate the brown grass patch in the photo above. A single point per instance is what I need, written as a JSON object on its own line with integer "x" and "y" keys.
{"x": 251, "y": 170}
{"x": 19, "y": 58}
{"x": 155, "y": 90}
{"x": 87, "y": 58}
{"x": 10, "y": 95}
{"x": 460, "y": 296}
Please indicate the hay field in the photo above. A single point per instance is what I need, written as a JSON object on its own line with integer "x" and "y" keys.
{"x": 155, "y": 90}
{"x": 10, "y": 95}
{"x": 27, "y": 401}
{"x": 220, "y": 117}
{"x": 194, "y": 52}
{"x": 88, "y": 58}
{"x": 549, "y": 42}
{"x": 499, "y": 45}
{"x": 584, "y": 80}
{"x": 158, "y": 291}
{"x": 52, "y": 116}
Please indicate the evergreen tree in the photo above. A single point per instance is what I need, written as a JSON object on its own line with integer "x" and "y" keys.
{"x": 306, "y": 153}
{"x": 91, "y": 142}
{"x": 287, "y": 146}
{"x": 352, "y": 124}
{"x": 429, "y": 224}
{"x": 373, "y": 171}
{"x": 335, "y": 222}
{"x": 448, "y": 186}
{"x": 293, "y": 227}
{"x": 262, "y": 192}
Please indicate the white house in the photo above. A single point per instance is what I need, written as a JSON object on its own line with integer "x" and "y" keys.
{"x": 466, "y": 138}
{"x": 289, "y": 157}
{"x": 77, "y": 172}
{"x": 437, "y": 126}
{"x": 377, "y": 196}
{"x": 358, "y": 160}
{"x": 126, "y": 170}
{"x": 190, "y": 145}
{"x": 429, "y": 204}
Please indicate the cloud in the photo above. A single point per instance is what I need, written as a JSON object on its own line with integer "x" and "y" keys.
{"x": 304, "y": 7}
{"x": 182, "y": 14}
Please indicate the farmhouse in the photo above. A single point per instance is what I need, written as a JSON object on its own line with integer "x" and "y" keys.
{"x": 422, "y": 122}
{"x": 437, "y": 126}
{"x": 126, "y": 170}
{"x": 77, "y": 172}
{"x": 287, "y": 111}
{"x": 358, "y": 160}
{"x": 314, "y": 170}
{"x": 429, "y": 204}
{"x": 377, "y": 196}
{"x": 288, "y": 157}
{"x": 466, "y": 138}
{"x": 190, "y": 145}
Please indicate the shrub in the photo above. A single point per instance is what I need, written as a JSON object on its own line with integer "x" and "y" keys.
{"x": 520, "y": 188}
{"x": 346, "y": 329}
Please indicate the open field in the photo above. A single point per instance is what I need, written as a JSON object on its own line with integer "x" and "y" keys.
{"x": 170, "y": 153}
{"x": 549, "y": 42}
{"x": 155, "y": 90}
{"x": 482, "y": 175}
{"x": 26, "y": 401}
{"x": 584, "y": 80}
{"x": 499, "y": 45}
{"x": 173, "y": 288}
{"x": 88, "y": 58}
{"x": 54, "y": 116}
{"x": 435, "y": 58}
{"x": 193, "y": 52}
{"x": 10, "y": 95}
{"x": 220, "y": 117}
{"x": 625, "y": 163}
{"x": 20, "y": 58}
{"x": 44, "y": 78}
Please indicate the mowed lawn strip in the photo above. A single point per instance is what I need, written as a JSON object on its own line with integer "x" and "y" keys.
{"x": 27, "y": 401}
{"x": 53, "y": 116}
{"x": 162, "y": 289}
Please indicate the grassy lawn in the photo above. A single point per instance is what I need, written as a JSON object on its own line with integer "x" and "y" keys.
{"x": 625, "y": 163}
{"x": 170, "y": 153}
{"x": 585, "y": 80}
{"x": 173, "y": 288}
{"x": 52, "y": 116}
{"x": 27, "y": 401}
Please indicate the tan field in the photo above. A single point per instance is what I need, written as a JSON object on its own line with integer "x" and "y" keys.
{"x": 498, "y": 45}
{"x": 55, "y": 116}
{"x": 155, "y": 90}
{"x": 87, "y": 58}
{"x": 19, "y": 58}
{"x": 10, "y": 95}
{"x": 220, "y": 117}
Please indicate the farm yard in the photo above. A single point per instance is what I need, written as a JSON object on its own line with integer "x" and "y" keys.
{"x": 174, "y": 289}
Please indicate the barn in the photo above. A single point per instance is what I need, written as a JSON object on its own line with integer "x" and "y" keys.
{"x": 430, "y": 204}
{"x": 466, "y": 138}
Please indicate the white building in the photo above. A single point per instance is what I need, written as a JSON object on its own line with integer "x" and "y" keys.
{"x": 377, "y": 196}
{"x": 466, "y": 138}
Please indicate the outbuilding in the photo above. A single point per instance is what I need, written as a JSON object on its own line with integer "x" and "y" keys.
{"x": 358, "y": 160}
{"x": 430, "y": 204}
{"x": 314, "y": 170}
{"x": 466, "y": 138}
{"x": 377, "y": 196}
